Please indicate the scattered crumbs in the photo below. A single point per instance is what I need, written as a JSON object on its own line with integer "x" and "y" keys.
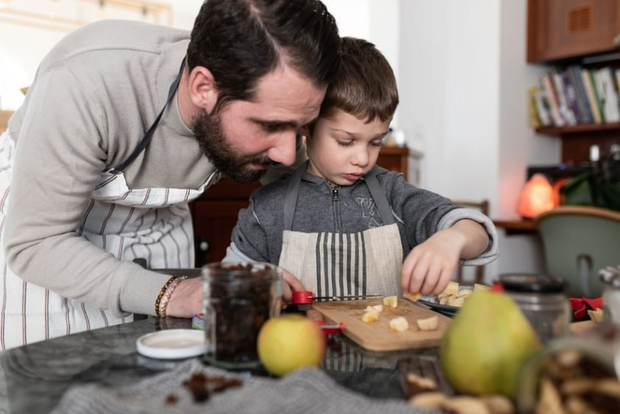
{"x": 171, "y": 399}
{"x": 202, "y": 387}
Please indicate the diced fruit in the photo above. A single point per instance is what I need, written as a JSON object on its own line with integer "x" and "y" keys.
{"x": 596, "y": 315}
{"x": 428, "y": 324}
{"x": 456, "y": 301}
{"x": 391, "y": 301}
{"x": 371, "y": 316}
{"x": 478, "y": 286}
{"x": 412, "y": 297}
{"x": 452, "y": 288}
{"x": 374, "y": 308}
{"x": 443, "y": 299}
{"x": 399, "y": 324}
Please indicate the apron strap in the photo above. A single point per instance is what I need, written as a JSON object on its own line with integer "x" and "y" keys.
{"x": 292, "y": 193}
{"x": 151, "y": 131}
{"x": 379, "y": 196}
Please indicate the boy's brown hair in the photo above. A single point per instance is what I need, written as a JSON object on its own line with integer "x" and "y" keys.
{"x": 364, "y": 85}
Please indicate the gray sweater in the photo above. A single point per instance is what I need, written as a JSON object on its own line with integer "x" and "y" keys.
{"x": 418, "y": 213}
{"x": 93, "y": 97}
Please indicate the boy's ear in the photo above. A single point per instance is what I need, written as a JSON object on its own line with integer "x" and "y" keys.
{"x": 202, "y": 88}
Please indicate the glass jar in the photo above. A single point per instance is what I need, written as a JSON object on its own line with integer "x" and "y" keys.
{"x": 238, "y": 299}
{"x": 610, "y": 276}
{"x": 579, "y": 360}
{"x": 543, "y": 302}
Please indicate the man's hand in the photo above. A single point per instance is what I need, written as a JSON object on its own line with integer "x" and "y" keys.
{"x": 186, "y": 300}
{"x": 289, "y": 284}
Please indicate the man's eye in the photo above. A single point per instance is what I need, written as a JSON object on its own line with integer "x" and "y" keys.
{"x": 345, "y": 143}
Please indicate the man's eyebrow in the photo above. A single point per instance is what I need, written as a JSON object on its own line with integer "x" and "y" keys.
{"x": 275, "y": 123}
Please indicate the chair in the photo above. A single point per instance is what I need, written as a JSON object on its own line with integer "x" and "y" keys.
{"x": 578, "y": 242}
{"x": 483, "y": 207}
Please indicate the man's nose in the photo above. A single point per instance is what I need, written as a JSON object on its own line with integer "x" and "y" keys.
{"x": 285, "y": 150}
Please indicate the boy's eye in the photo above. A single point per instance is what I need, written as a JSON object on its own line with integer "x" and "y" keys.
{"x": 344, "y": 143}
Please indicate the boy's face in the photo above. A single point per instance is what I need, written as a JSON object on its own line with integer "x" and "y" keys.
{"x": 343, "y": 148}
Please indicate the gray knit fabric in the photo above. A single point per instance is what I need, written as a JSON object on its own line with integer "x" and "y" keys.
{"x": 306, "y": 391}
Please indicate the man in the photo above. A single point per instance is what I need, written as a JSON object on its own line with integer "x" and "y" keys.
{"x": 113, "y": 140}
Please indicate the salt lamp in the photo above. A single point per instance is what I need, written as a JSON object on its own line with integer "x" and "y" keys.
{"x": 536, "y": 197}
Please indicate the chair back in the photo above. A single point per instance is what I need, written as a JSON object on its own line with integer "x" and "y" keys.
{"x": 483, "y": 207}
{"x": 578, "y": 242}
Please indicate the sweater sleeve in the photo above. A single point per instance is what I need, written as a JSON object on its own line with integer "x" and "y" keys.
{"x": 419, "y": 210}
{"x": 60, "y": 154}
{"x": 249, "y": 238}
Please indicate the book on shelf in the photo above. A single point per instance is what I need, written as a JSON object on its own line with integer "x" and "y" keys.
{"x": 575, "y": 95}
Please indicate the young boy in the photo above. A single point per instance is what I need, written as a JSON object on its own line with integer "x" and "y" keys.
{"x": 341, "y": 225}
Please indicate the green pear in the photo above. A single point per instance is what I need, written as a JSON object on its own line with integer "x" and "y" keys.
{"x": 487, "y": 344}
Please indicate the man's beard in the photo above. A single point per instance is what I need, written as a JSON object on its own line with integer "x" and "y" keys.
{"x": 213, "y": 143}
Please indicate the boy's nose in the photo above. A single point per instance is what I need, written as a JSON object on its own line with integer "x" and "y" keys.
{"x": 361, "y": 158}
{"x": 284, "y": 151}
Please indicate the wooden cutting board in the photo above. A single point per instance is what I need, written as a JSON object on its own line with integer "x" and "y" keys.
{"x": 377, "y": 336}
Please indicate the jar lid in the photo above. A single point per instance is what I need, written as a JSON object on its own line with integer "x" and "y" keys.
{"x": 532, "y": 283}
{"x": 172, "y": 344}
{"x": 611, "y": 276}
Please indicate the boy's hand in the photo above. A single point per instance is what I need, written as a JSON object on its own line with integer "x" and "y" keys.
{"x": 289, "y": 284}
{"x": 430, "y": 265}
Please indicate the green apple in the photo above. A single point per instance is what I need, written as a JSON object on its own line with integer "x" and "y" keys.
{"x": 289, "y": 342}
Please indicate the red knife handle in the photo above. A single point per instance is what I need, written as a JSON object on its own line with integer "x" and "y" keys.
{"x": 302, "y": 297}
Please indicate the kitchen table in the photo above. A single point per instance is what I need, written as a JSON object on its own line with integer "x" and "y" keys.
{"x": 33, "y": 378}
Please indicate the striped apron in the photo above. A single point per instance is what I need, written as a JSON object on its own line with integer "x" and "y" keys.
{"x": 149, "y": 223}
{"x": 327, "y": 264}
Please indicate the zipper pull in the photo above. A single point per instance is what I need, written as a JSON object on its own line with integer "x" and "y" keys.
{"x": 335, "y": 193}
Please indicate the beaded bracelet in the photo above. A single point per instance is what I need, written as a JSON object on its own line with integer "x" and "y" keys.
{"x": 164, "y": 295}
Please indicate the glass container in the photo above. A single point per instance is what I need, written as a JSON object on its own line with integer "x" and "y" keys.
{"x": 610, "y": 276}
{"x": 543, "y": 302}
{"x": 238, "y": 299}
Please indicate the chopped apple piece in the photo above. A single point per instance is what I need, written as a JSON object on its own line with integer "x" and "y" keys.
{"x": 412, "y": 297}
{"x": 451, "y": 289}
{"x": 391, "y": 301}
{"x": 596, "y": 315}
{"x": 456, "y": 301}
{"x": 399, "y": 324}
{"x": 478, "y": 286}
{"x": 428, "y": 324}
{"x": 371, "y": 316}
{"x": 443, "y": 299}
{"x": 374, "y": 308}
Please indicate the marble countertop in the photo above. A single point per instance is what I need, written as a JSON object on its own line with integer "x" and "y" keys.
{"x": 33, "y": 378}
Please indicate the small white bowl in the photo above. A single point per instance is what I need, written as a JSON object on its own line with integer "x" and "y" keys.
{"x": 172, "y": 344}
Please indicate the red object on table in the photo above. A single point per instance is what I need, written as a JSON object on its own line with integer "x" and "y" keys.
{"x": 305, "y": 297}
{"x": 330, "y": 328}
{"x": 582, "y": 305}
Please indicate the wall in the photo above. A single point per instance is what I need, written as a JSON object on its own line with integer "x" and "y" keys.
{"x": 463, "y": 83}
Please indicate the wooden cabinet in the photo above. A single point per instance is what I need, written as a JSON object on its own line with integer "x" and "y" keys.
{"x": 561, "y": 29}
{"x": 215, "y": 212}
{"x": 581, "y": 32}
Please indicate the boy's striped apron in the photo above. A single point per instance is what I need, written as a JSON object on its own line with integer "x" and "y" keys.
{"x": 150, "y": 223}
{"x": 327, "y": 264}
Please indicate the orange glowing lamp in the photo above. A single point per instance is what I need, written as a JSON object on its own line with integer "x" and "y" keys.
{"x": 536, "y": 197}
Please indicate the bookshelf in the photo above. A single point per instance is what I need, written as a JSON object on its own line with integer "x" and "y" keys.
{"x": 577, "y": 36}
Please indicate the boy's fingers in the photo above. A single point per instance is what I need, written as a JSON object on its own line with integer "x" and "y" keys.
{"x": 292, "y": 283}
{"x": 406, "y": 273}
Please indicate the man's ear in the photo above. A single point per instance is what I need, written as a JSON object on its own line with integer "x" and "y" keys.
{"x": 202, "y": 89}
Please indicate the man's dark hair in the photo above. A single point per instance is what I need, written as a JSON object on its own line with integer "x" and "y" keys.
{"x": 364, "y": 85}
{"x": 240, "y": 41}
